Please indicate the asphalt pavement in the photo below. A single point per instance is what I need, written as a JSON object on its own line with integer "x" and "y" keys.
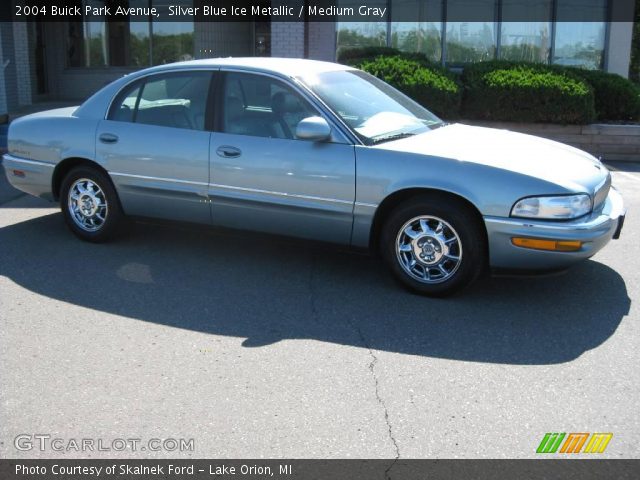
{"x": 260, "y": 347}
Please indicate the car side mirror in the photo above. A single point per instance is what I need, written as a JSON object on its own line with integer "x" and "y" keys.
{"x": 315, "y": 129}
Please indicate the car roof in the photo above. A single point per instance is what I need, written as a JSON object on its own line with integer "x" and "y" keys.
{"x": 290, "y": 67}
{"x": 97, "y": 104}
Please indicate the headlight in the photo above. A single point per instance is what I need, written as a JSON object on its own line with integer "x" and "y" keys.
{"x": 553, "y": 208}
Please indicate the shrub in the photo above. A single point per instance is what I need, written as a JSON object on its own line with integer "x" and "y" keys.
{"x": 526, "y": 93}
{"x": 503, "y": 90}
{"x": 433, "y": 87}
{"x": 616, "y": 98}
{"x": 355, "y": 56}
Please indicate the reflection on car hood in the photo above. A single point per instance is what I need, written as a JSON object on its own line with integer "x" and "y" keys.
{"x": 525, "y": 154}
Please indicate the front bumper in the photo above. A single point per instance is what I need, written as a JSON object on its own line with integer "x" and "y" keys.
{"x": 594, "y": 230}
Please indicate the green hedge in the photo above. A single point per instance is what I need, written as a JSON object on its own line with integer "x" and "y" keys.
{"x": 355, "y": 56}
{"x": 524, "y": 92}
{"x": 503, "y": 90}
{"x": 617, "y": 99}
{"x": 434, "y": 87}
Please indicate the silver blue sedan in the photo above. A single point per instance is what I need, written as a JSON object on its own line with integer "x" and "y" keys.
{"x": 321, "y": 151}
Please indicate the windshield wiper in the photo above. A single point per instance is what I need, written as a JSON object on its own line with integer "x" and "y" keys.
{"x": 388, "y": 138}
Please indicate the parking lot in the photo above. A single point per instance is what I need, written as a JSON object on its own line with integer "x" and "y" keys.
{"x": 256, "y": 346}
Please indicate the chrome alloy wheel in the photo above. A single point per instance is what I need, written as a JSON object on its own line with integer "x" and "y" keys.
{"x": 87, "y": 205}
{"x": 429, "y": 249}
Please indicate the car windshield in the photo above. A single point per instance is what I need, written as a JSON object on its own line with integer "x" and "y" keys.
{"x": 374, "y": 110}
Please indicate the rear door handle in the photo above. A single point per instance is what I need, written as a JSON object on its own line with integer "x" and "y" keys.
{"x": 108, "y": 138}
{"x": 228, "y": 152}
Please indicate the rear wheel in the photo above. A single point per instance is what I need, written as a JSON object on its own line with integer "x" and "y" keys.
{"x": 90, "y": 204}
{"x": 434, "y": 244}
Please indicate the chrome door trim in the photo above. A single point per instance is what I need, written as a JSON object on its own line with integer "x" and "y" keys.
{"x": 281, "y": 194}
{"x": 162, "y": 179}
{"x": 244, "y": 189}
{"x": 11, "y": 158}
{"x": 368, "y": 205}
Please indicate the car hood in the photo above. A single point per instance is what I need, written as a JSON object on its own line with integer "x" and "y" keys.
{"x": 551, "y": 161}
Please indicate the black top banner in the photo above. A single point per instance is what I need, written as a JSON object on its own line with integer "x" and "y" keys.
{"x": 318, "y": 10}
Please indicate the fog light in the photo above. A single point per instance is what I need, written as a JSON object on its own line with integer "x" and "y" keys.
{"x": 553, "y": 245}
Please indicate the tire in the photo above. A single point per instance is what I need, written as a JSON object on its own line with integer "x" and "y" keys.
{"x": 99, "y": 215}
{"x": 434, "y": 244}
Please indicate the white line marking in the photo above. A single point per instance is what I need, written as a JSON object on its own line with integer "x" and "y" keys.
{"x": 628, "y": 175}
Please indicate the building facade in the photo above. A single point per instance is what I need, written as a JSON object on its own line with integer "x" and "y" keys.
{"x": 68, "y": 61}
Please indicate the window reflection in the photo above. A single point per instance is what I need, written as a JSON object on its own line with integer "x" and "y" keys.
{"x": 360, "y": 34}
{"x": 108, "y": 42}
{"x": 577, "y": 38}
{"x": 580, "y": 43}
{"x": 425, "y": 34}
{"x": 530, "y": 39}
{"x": 471, "y": 41}
{"x": 172, "y": 41}
{"x": 113, "y": 42}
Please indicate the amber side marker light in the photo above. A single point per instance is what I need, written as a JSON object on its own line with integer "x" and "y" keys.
{"x": 553, "y": 245}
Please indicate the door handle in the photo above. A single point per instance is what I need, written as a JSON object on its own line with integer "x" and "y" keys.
{"x": 108, "y": 138}
{"x": 228, "y": 152}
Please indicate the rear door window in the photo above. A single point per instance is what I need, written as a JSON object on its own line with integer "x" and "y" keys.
{"x": 177, "y": 100}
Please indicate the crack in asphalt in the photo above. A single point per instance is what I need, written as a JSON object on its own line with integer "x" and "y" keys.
{"x": 371, "y": 367}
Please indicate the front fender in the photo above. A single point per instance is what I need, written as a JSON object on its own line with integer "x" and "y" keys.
{"x": 383, "y": 172}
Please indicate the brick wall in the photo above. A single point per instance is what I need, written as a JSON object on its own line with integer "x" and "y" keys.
{"x": 322, "y": 41}
{"x": 287, "y": 39}
{"x": 22, "y": 60}
{"x": 4, "y": 108}
{"x": 8, "y": 66}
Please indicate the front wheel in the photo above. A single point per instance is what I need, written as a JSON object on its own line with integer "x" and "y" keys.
{"x": 90, "y": 204}
{"x": 435, "y": 245}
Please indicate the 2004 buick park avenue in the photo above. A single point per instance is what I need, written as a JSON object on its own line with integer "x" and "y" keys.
{"x": 321, "y": 151}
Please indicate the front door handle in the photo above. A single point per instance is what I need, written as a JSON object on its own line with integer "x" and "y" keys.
{"x": 228, "y": 152}
{"x": 108, "y": 138}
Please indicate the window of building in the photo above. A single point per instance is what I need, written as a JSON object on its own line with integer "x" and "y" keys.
{"x": 471, "y": 41}
{"x": 133, "y": 42}
{"x": 361, "y": 34}
{"x": 425, "y": 34}
{"x": 580, "y": 43}
{"x": 567, "y": 32}
{"x": 529, "y": 39}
